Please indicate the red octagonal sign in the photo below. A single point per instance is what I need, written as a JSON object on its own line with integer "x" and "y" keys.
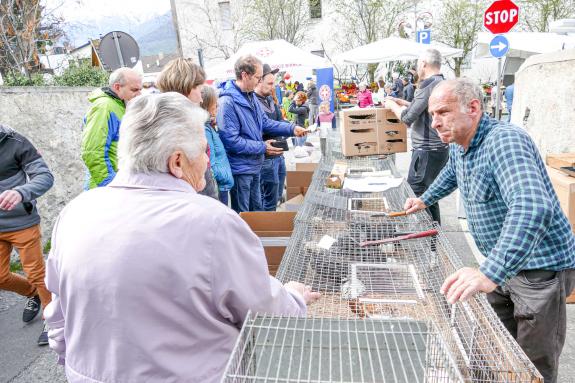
{"x": 501, "y": 16}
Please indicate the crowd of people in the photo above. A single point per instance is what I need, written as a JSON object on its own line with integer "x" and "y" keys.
{"x": 149, "y": 280}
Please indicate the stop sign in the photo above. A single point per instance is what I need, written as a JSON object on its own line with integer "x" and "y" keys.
{"x": 501, "y": 16}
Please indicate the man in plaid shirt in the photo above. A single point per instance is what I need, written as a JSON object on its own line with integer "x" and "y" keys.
{"x": 514, "y": 217}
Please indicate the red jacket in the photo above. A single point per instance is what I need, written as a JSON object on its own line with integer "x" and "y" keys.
{"x": 364, "y": 99}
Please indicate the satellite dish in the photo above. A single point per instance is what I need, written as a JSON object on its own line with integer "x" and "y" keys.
{"x": 118, "y": 49}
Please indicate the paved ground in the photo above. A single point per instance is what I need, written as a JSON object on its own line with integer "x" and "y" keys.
{"x": 21, "y": 361}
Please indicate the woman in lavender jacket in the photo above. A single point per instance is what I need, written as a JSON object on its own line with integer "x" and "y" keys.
{"x": 152, "y": 281}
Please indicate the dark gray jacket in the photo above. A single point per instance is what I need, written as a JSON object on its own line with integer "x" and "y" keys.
{"x": 312, "y": 95}
{"x": 21, "y": 169}
{"x": 423, "y": 136}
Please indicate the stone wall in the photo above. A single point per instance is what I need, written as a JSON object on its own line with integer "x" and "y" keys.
{"x": 51, "y": 118}
{"x": 545, "y": 85}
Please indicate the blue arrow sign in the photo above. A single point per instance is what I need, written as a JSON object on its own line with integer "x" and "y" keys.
{"x": 499, "y": 46}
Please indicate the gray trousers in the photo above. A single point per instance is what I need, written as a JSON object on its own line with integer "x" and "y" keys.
{"x": 532, "y": 308}
{"x": 313, "y": 113}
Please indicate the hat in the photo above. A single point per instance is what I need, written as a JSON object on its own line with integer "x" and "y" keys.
{"x": 268, "y": 70}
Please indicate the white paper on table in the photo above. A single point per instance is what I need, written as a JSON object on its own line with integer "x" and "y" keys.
{"x": 371, "y": 184}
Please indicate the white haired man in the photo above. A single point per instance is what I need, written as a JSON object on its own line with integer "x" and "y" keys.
{"x": 102, "y": 125}
{"x": 152, "y": 281}
{"x": 514, "y": 217}
{"x": 429, "y": 154}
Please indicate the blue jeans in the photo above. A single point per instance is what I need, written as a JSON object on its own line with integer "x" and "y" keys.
{"x": 245, "y": 194}
{"x": 224, "y": 197}
{"x": 273, "y": 177}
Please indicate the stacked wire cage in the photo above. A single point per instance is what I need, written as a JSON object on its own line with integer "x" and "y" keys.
{"x": 381, "y": 317}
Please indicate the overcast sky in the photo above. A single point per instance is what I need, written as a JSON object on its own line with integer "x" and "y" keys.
{"x": 78, "y": 10}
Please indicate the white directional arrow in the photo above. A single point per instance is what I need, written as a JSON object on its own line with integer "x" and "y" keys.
{"x": 500, "y": 46}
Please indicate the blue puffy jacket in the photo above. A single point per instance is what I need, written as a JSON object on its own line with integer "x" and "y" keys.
{"x": 219, "y": 159}
{"x": 241, "y": 124}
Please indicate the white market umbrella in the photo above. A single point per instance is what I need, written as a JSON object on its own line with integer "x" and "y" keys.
{"x": 276, "y": 53}
{"x": 392, "y": 49}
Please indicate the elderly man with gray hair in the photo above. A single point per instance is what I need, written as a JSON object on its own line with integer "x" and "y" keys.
{"x": 514, "y": 217}
{"x": 152, "y": 281}
{"x": 429, "y": 153}
{"x": 102, "y": 125}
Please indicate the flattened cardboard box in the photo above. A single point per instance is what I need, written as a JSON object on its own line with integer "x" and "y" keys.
{"x": 560, "y": 160}
{"x": 565, "y": 188}
{"x": 271, "y": 224}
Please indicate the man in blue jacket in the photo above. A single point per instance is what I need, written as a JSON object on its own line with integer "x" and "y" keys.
{"x": 242, "y": 124}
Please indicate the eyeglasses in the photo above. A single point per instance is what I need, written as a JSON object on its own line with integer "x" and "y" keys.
{"x": 259, "y": 78}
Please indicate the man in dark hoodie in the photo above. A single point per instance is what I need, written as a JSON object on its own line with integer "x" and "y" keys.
{"x": 102, "y": 125}
{"x": 272, "y": 177}
{"x": 24, "y": 176}
{"x": 242, "y": 124}
{"x": 430, "y": 154}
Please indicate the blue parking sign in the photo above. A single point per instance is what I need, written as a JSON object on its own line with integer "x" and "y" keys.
{"x": 424, "y": 36}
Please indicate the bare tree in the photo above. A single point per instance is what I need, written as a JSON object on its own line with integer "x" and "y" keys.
{"x": 458, "y": 25}
{"x": 25, "y": 25}
{"x": 209, "y": 26}
{"x": 536, "y": 15}
{"x": 276, "y": 19}
{"x": 367, "y": 21}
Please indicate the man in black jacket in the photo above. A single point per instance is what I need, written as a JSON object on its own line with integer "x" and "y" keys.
{"x": 273, "y": 174}
{"x": 24, "y": 176}
{"x": 430, "y": 154}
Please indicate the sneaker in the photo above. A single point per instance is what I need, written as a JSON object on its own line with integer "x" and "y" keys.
{"x": 43, "y": 338}
{"x": 31, "y": 309}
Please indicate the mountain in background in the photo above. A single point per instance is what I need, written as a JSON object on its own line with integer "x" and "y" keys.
{"x": 154, "y": 34}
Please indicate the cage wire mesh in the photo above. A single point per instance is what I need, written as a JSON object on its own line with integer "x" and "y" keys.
{"x": 381, "y": 317}
{"x": 288, "y": 349}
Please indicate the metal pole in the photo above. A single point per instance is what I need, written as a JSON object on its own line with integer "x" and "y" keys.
{"x": 498, "y": 98}
{"x": 201, "y": 57}
{"x": 118, "y": 50}
{"x": 415, "y": 20}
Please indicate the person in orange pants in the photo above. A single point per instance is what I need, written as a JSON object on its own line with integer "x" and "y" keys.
{"x": 24, "y": 176}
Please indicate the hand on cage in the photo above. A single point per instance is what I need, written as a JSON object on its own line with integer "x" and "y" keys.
{"x": 413, "y": 205}
{"x": 305, "y": 291}
{"x": 464, "y": 283}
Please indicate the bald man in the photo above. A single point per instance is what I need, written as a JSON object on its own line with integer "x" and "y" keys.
{"x": 102, "y": 125}
{"x": 514, "y": 217}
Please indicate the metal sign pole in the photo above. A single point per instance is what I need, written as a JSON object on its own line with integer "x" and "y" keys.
{"x": 118, "y": 50}
{"x": 498, "y": 98}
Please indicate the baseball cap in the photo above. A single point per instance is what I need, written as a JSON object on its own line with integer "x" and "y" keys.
{"x": 268, "y": 70}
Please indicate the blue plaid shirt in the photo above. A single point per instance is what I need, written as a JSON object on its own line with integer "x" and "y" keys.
{"x": 512, "y": 209}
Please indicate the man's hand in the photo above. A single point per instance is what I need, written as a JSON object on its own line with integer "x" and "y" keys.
{"x": 464, "y": 283}
{"x": 299, "y": 131}
{"x": 413, "y": 205}
{"x": 308, "y": 296}
{"x": 272, "y": 150}
{"x": 9, "y": 199}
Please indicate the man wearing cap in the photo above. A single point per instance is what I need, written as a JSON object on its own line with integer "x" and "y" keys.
{"x": 273, "y": 173}
{"x": 242, "y": 124}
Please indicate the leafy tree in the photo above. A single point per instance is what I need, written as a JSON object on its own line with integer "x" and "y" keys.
{"x": 458, "y": 25}
{"x": 536, "y": 15}
{"x": 83, "y": 75}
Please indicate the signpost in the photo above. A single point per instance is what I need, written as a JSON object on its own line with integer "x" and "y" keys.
{"x": 500, "y": 17}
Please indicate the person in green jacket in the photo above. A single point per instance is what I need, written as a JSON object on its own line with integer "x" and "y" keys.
{"x": 102, "y": 125}
{"x": 286, "y": 102}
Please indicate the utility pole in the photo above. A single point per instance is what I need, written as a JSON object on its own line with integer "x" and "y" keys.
{"x": 176, "y": 27}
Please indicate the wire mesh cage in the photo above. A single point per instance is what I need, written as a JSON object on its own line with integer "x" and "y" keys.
{"x": 274, "y": 349}
{"x": 381, "y": 317}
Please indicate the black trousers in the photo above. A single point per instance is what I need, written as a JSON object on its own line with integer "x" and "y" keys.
{"x": 424, "y": 168}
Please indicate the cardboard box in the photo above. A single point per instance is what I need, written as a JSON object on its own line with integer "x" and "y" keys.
{"x": 560, "y": 160}
{"x": 337, "y": 175}
{"x": 565, "y": 188}
{"x": 270, "y": 225}
{"x": 297, "y": 182}
{"x": 372, "y": 131}
{"x": 306, "y": 166}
